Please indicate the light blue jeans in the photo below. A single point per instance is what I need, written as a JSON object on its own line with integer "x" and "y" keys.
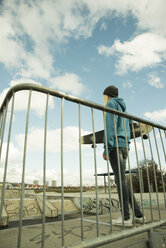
{"x": 126, "y": 192}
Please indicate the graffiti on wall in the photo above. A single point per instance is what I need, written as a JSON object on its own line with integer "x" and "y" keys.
{"x": 89, "y": 205}
{"x": 146, "y": 203}
{"x": 30, "y": 208}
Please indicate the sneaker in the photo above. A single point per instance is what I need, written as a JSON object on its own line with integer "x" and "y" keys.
{"x": 119, "y": 222}
{"x": 140, "y": 220}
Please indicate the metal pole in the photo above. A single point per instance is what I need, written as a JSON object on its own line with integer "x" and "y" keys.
{"x": 163, "y": 149}
{"x": 68, "y": 97}
{"x": 108, "y": 171}
{"x": 1, "y": 122}
{"x": 80, "y": 162}
{"x": 131, "y": 185}
{"x": 105, "y": 185}
{"x": 44, "y": 172}
{"x": 160, "y": 166}
{"x": 140, "y": 178}
{"x": 99, "y": 242}
{"x": 150, "y": 238}
{"x": 62, "y": 176}
{"x": 154, "y": 172}
{"x": 6, "y": 159}
{"x": 147, "y": 173}
{"x": 23, "y": 173}
{"x": 3, "y": 128}
{"x": 162, "y": 144}
{"x": 95, "y": 168}
{"x": 119, "y": 170}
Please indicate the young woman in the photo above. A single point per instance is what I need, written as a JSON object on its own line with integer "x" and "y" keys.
{"x": 111, "y": 100}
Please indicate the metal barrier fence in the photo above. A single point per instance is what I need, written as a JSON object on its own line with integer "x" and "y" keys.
{"x": 151, "y": 176}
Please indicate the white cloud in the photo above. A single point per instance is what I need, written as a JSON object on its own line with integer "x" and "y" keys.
{"x": 15, "y": 155}
{"x": 31, "y": 34}
{"x": 157, "y": 116}
{"x": 36, "y": 139}
{"x": 13, "y": 174}
{"x": 137, "y": 53}
{"x": 69, "y": 82}
{"x": 104, "y": 50}
{"x": 138, "y": 145}
{"x": 155, "y": 81}
{"x": 38, "y": 102}
{"x": 11, "y": 51}
{"x": 150, "y": 16}
{"x": 127, "y": 84}
{"x": 71, "y": 177}
{"x": 37, "y": 66}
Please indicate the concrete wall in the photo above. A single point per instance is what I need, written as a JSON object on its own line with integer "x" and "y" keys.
{"x": 30, "y": 208}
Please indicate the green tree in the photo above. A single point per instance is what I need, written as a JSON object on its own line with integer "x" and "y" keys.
{"x": 149, "y": 174}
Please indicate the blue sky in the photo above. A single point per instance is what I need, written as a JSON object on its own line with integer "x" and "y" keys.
{"x": 80, "y": 47}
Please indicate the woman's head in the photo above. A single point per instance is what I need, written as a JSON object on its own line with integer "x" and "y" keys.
{"x": 109, "y": 92}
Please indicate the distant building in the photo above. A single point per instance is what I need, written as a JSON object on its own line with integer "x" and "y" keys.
{"x": 53, "y": 183}
{"x": 36, "y": 182}
{"x": 47, "y": 183}
{"x": 8, "y": 186}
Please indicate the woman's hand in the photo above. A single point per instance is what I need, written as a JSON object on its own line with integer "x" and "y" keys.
{"x": 105, "y": 157}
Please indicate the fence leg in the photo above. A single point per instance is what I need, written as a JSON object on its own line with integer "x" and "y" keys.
{"x": 150, "y": 238}
{"x": 156, "y": 239}
{"x": 105, "y": 185}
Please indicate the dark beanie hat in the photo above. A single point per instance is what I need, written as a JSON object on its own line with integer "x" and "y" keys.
{"x": 111, "y": 91}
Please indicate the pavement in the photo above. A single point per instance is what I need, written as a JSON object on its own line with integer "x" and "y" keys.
{"x": 32, "y": 234}
{"x": 32, "y": 230}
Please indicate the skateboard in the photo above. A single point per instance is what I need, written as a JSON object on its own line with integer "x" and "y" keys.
{"x": 138, "y": 127}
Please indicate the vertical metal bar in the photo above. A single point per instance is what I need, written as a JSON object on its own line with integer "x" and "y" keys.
{"x": 1, "y": 139}
{"x": 162, "y": 144}
{"x": 147, "y": 172}
{"x": 154, "y": 172}
{"x": 7, "y": 155}
{"x": 80, "y": 162}
{"x": 140, "y": 178}
{"x": 119, "y": 170}
{"x": 160, "y": 166}
{"x": 95, "y": 167}
{"x": 108, "y": 171}
{"x": 1, "y": 121}
{"x": 150, "y": 238}
{"x": 23, "y": 173}
{"x": 62, "y": 182}
{"x": 3, "y": 128}
{"x": 105, "y": 185}
{"x": 163, "y": 149}
{"x": 130, "y": 177}
{"x": 142, "y": 181}
{"x": 44, "y": 172}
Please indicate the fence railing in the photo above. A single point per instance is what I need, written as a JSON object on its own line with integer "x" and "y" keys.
{"x": 148, "y": 157}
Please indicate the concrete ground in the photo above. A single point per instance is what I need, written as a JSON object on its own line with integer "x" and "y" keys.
{"x": 32, "y": 233}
